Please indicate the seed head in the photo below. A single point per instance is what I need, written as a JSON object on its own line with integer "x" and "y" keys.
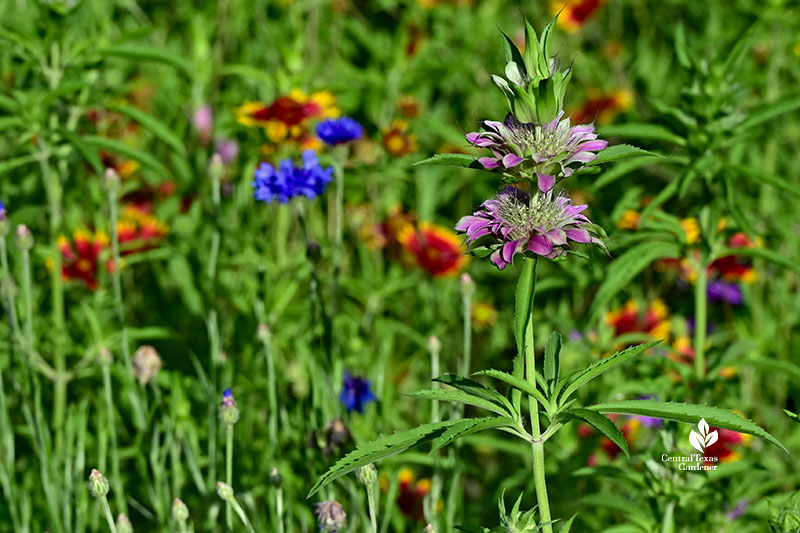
{"x": 146, "y": 364}
{"x": 330, "y": 516}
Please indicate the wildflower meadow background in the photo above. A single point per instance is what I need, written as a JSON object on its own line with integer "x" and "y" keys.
{"x": 399, "y": 266}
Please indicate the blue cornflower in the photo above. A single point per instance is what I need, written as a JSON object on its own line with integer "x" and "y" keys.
{"x": 339, "y": 130}
{"x": 3, "y": 214}
{"x": 287, "y": 181}
{"x": 356, "y": 393}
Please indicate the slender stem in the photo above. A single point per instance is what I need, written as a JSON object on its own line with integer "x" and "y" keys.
{"x": 272, "y": 394}
{"x": 119, "y": 305}
{"x": 229, "y": 469}
{"x": 107, "y": 512}
{"x": 537, "y": 448}
{"x": 242, "y": 515}
{"x": 279, "y": 508}
{"x": 435, "y": 347}
{"x": 373, "y": 505}
{"x": 116, "y": 479}
{"x": 338, "y": 170}
{"x": 700, "y": 317}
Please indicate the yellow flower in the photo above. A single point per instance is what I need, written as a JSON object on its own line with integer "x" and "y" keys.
{"x": 484, "y": 315}
{"x": 629, "y": 220}
{"x": 692, "y": 229}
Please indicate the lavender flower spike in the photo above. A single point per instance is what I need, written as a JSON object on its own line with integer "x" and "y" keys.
{"x": 518, "y": 223}
{"x": 547, "y": 150}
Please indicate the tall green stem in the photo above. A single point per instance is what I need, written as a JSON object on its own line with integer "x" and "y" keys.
{"x": 537, "y": 448}
{"x": 229, "y": 470}
{"x": 371, "y": 502}
{"x": 112, "y": 182}
{"x": 119, "y": 494}
{"x": 107, "y": 513}
{"x": 700, "y": 317}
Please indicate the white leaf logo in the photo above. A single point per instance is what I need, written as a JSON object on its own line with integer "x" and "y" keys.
{"x": 700, "y": 441}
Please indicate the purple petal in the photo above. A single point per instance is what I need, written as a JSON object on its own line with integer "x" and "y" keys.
{"x": 509, "y": 249}
{"x": 557, "y": 236}
{"x": 497, "y": 259}
{"x": 545, "y": 182}
{"x": 592, "y": 146}
{"x": 579, "y": 235}
{"x": 511, "y": 160}
{"x": 489, "y": 162}
{"x": 540, "y": 245}
{"x": 479, "y": 139}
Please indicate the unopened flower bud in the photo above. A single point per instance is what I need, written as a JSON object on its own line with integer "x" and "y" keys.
{"x": 124, "y": 524}
{"x": 104, "y": 356}
{"x": 146, "y": 364}
{"x": 98, "y": 484}
{"x": 23, "y": 237}
{"x": 228, "y": 410}
{"x": 180, "y": 513}
{"x": 264, "y": 334}
{"x": 111, "y": 180}
{"x": 224, "y": 491}
{"x": 434, "y": 344}
{"x": 331, "y": 516}
{"x": 367, "y": 474}
{"x": 215, "y": 166}
{"x": 275, "y": 478}
{"x": 313, "y": 252}
{"x": 466, "y": 285}
{"x": 429, "y": 529}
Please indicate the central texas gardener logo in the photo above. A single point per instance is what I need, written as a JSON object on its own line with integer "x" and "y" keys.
{"x": 704, "y": 439}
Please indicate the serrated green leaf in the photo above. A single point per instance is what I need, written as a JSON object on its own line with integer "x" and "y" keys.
{"x": 601, "y": 423}
{"x": 475, "y": 388}
{"x": 619, "y": 151}
{"x": 602, "y": 366}
{"x": 458, "y": 396}
{"x": 147, "y": 53}
{"x": 684, "y": 412}
{"x": 770, "y": 111}
{"x": 151, "y": 124}
{"x": 469, "y": 426}
{"x": 524, "y": 300}
{"x": 623, "y": 269}
{"x": 381, "y": 448}
{"x": 552, "y": 358}
{"x": 632, "y": 130}
{"x": 793, "y": 416}
{"x": 568, "y": 524}
{"x": 451, "y": 160}
{"x": 113, "y": 145}
{"x": 517, "y": 383}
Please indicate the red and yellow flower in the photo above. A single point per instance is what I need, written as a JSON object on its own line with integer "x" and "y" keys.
{"x": 727, "y": 449}
{"x": 654, "y": 321}
{"x": 602, "y": 108}
{"x": 397, "y": 141}
{"x": 575, "y": 13}
{"x": 80, "y": 258}
{"x": 436, "y": 249}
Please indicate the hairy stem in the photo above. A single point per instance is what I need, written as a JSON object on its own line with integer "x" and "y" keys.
{"x": 229, "y": 470}
{"x": 700, "y": 317}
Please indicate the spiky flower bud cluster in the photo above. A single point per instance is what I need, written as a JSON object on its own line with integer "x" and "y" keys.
{"x": 224, "y": 491}
{"x": 228, "y": 410}
{"x": 98, "y": 484}
{"x": 23, "y": 237}
{"x": 124, "y": 524}
{"x": 180, "y": 513}
{"x": 368, "y": 474}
